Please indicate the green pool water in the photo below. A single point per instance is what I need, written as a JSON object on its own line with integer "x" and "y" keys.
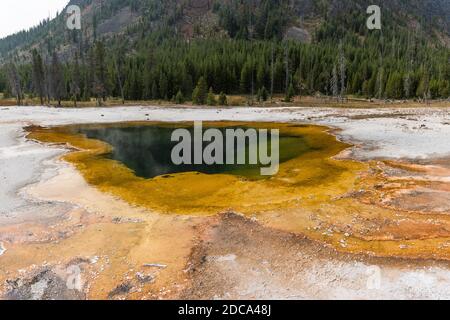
{"x": 146, "y": 149}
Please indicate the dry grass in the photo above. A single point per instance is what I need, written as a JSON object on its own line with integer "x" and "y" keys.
{"x": 240, "y": 100}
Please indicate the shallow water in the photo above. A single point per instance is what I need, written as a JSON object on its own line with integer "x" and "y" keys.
{"x": 147, "y": 150}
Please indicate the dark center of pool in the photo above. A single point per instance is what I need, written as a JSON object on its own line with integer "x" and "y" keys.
{"x": 147, "y": 150}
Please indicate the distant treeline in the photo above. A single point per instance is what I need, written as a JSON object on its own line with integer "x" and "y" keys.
{"x": 237, "y": 67}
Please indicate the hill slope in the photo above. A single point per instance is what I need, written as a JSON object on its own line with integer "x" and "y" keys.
{"x": 143, "y": 49}
{"x": 207, "y": 18}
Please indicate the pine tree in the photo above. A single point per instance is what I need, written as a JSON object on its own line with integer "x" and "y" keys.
{"x": 179, "y": 98}
{"x": 261, "y": 75}
{"x": 200, "y": 92}
{"x": 394, "y": 85}
{"x": 196, "y": 96}
{"x": 99, "y": 83}
{"x": 258, "y": 95}
{"x": 263, "y": 94}
{"x": 155, "y": 91}
{"x": 289, "y": 94}
{"x": 245, "y": 83}
{"x": 223, "y": 101}
{"x": 423, "y": 90}
{"x": 163, "y": 86}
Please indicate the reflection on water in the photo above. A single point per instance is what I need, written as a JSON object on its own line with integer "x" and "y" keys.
{"x": 147, "y": 150}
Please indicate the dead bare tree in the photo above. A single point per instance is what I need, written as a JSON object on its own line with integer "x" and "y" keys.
{"x": 272, "y": 73}
{"x": 410, "y": 57}
{"x": 342, "y": 71}
{"x": 75, "y": 89}
{"x": 38, "y": 75}
{"x": 119, "y": 80}
{"x": 14, "y": 81}
{"x": 334, "y": 83}
{"x": 286, "y": 61}
{"x": 57, "y": 83}
{"x": 380, "y": 79}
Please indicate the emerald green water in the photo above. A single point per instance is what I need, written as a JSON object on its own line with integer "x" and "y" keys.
{"x": 147, "y": 149}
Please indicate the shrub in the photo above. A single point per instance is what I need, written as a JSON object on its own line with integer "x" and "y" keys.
{"x": 179, "y": 98}
{"x": 211, "y": 99}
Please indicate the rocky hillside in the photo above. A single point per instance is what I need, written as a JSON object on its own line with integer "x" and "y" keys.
{"x": 296, "y": 19}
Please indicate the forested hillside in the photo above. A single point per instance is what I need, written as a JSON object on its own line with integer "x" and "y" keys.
{"x": 174, "y": 49}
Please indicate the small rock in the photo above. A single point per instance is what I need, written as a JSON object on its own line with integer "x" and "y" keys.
{"x": 117, "y": 220}
{"x": 343, "y": 243}
{"x": 94, "y": 260}
{"x": 144, "y": 278}
{"x": 121, "y": 289}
